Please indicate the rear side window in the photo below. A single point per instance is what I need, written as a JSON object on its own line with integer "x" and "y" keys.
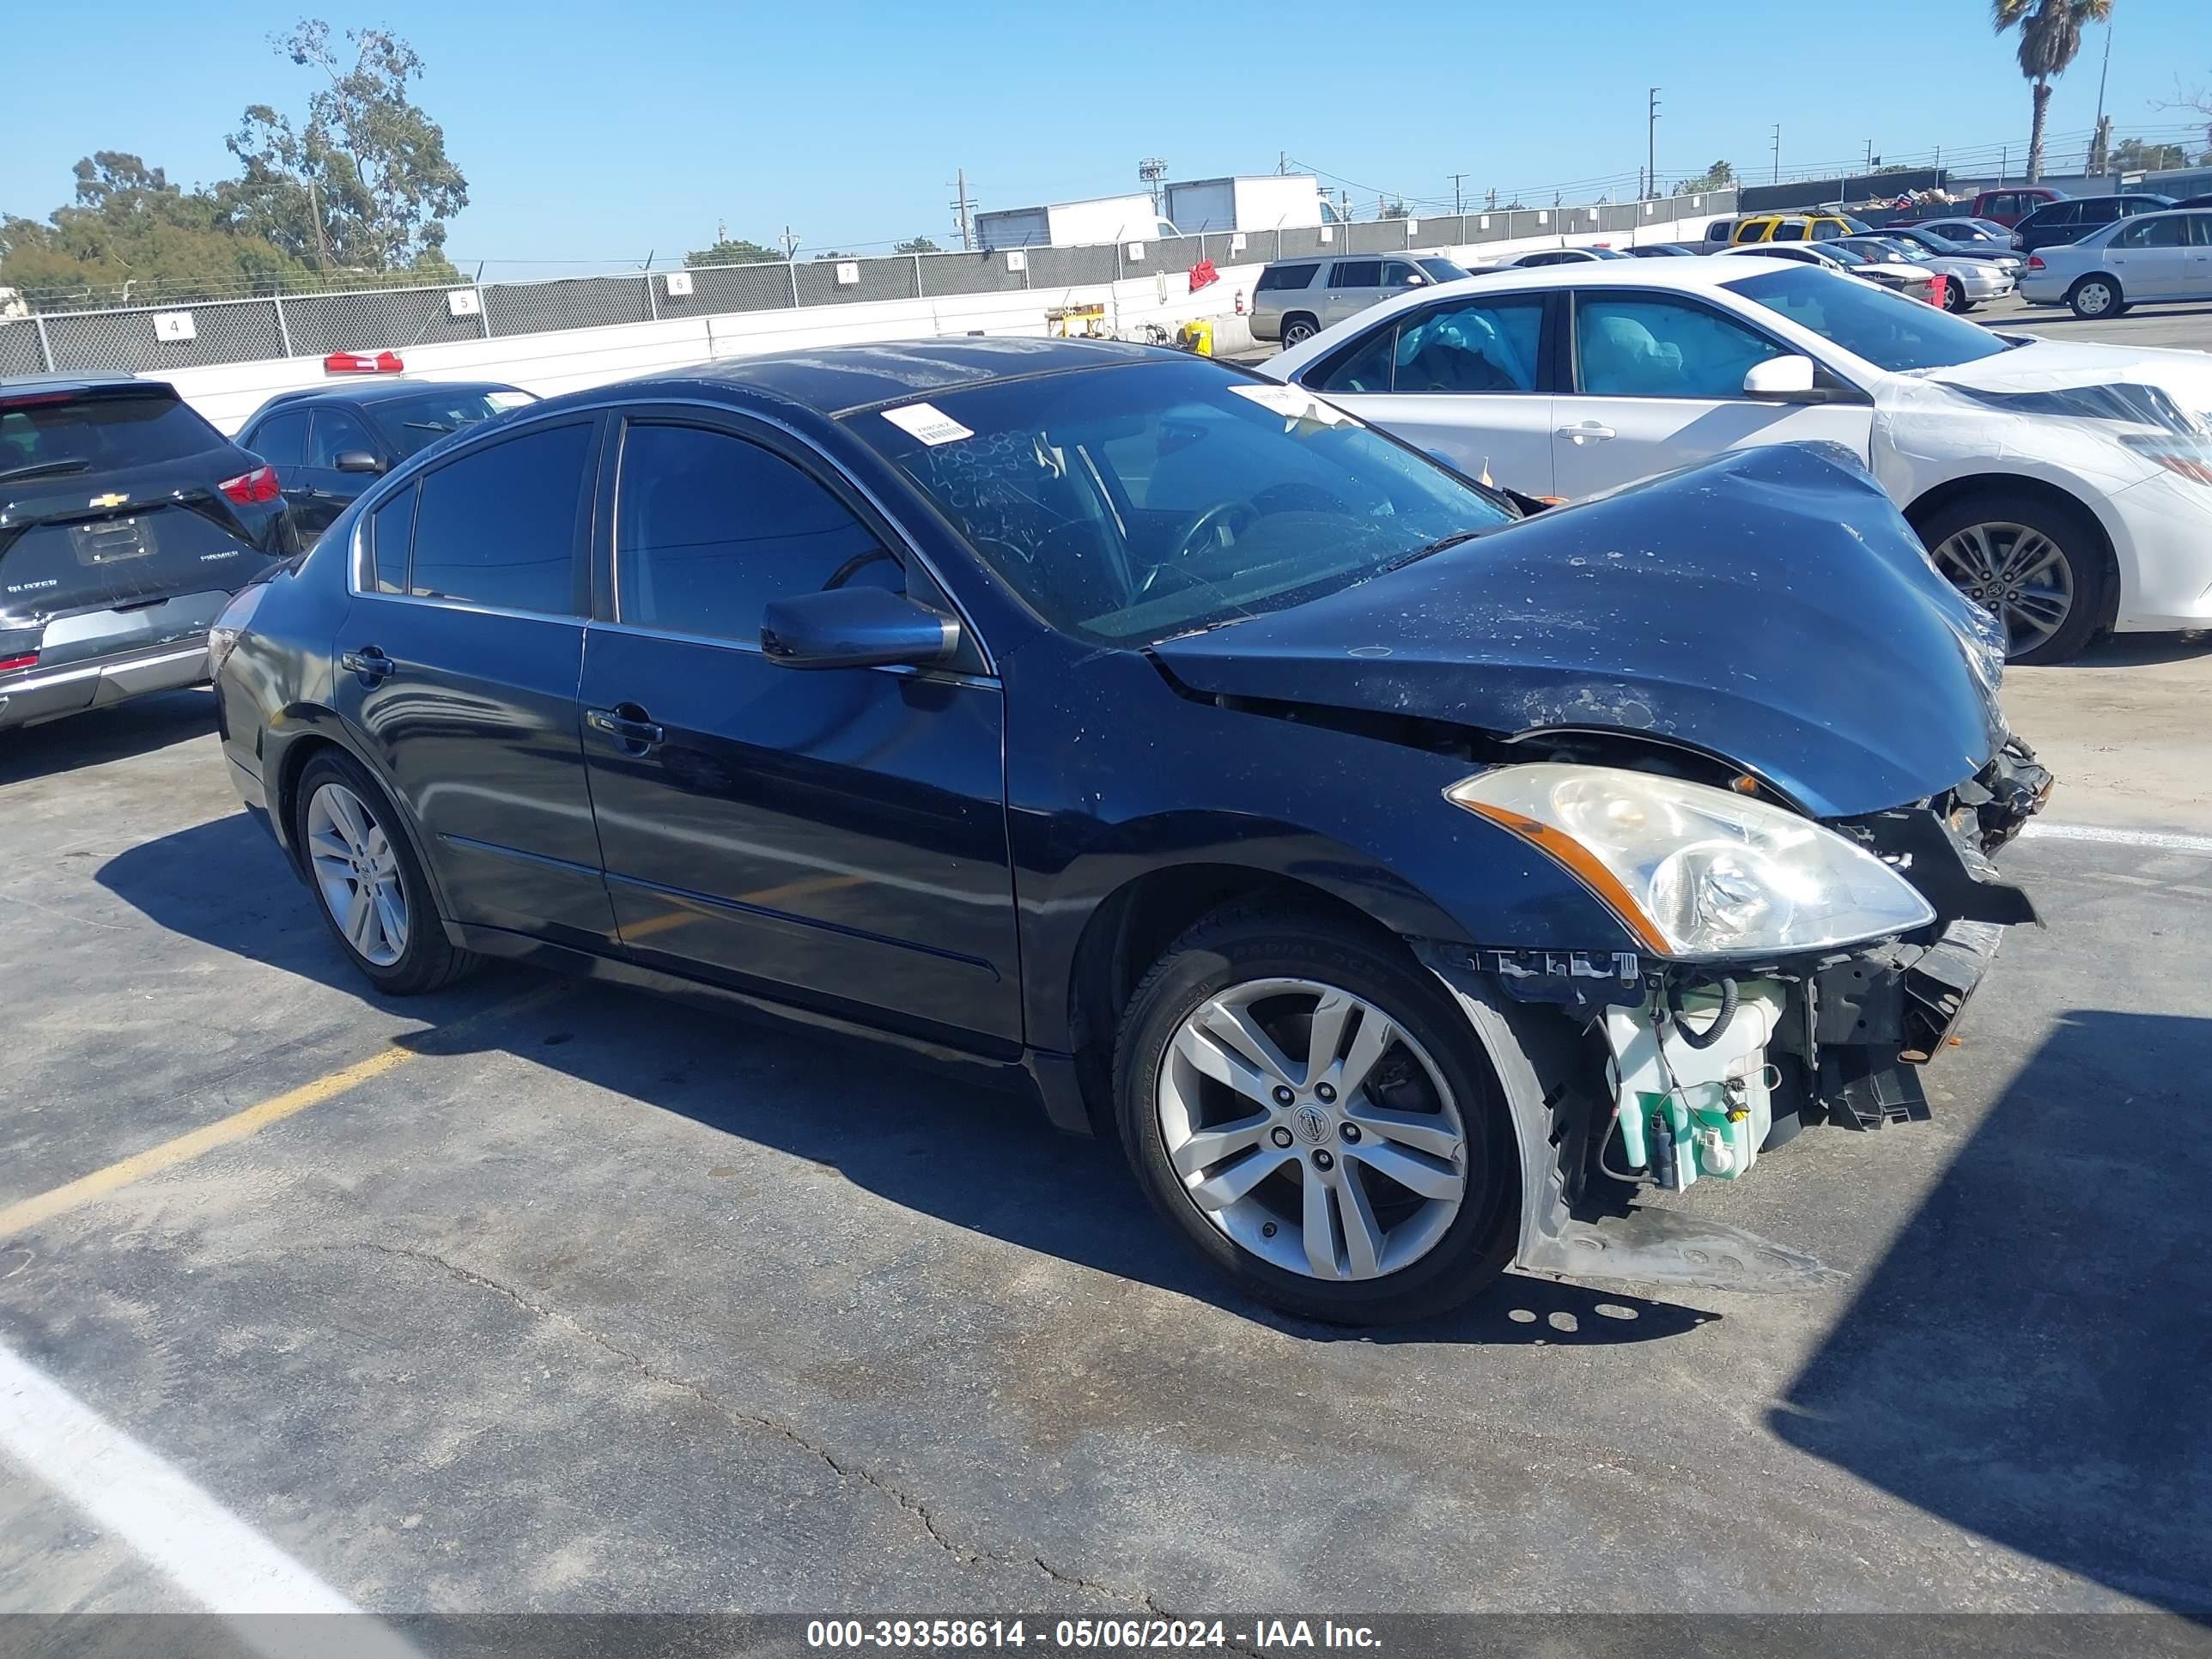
{"x": 1488, "y": 346}
{"x": 1286, "y": 277}
{"x": 1358, "y": 273}
{"x": 709, "y": 527}
{"x": 106, "y": 431}
{"x": 391, "y": 534}
{"x": 282, "y": 439}
{"x": 1790, "y": 230}
{"x": 497, "y": 527}
{"x": 2200, "y": 229}
{"x": 2098, "y": 212}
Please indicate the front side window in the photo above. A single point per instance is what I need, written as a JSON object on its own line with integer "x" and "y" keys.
{"x": 497, "y": 527}
{"x": 1487, "y": 347}
{"x": 334, "y": 433}
{"x": 1133, "y": 503}
{"x": 1399, "y": 273}
{"x": 1663, "y": 348}
{"x": 1826, "y": 230}
{"x": 709, "y": 527}
{"x": 1886, "y": 329}
{"x": 282, "y": 439}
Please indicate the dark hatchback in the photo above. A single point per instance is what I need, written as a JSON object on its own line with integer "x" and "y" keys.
{"x": 126, "y": 522}
{"x": 1376, "y": 863}
{"x": 328, "y": 442}
{"x": 2068, "y": 220}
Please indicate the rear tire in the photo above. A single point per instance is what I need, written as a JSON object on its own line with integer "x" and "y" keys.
{"x": 1298, "y": 329}
{"x": 1984, "y": 544}
{"x": 2095, "y": 298}
{"x": 357, "y": 854}
{"x": 1420, "y": 1098}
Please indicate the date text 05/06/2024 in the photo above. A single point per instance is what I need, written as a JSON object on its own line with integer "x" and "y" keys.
{"x": 1087, "y": 1635}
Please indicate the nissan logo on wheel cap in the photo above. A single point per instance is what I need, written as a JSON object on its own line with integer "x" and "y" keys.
{"x": 1311, "y": 1124}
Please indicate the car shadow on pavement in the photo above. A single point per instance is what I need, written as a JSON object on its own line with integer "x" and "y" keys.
{"x": 2143, "y": 650}
{"x": 2031, "y": 1359}
{"x": 137, "y": 727}
{"x": 978, "y": 1158}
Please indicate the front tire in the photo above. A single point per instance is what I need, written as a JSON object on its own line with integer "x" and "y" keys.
{"x": 367, "y": 881}
{"x": 1368, "y": 1180}
{"x": 2094, "y": 298}
{"x": 2038, "y": 566}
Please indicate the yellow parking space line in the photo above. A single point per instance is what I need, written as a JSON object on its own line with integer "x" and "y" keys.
{"x": 224, "y": 1132}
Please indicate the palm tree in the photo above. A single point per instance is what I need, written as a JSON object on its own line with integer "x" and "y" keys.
{"x": 2049, "y": 39}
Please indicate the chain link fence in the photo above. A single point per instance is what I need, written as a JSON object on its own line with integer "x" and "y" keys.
{"x": 191, "y": 335}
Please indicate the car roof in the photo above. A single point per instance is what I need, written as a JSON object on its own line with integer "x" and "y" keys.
{"x": 375, "y": 389}
{"x": 837, "y": 380}
{"x": 77, "y": 380}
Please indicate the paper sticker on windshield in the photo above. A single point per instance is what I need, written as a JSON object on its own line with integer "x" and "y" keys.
{"x": 928, "y": 423}
{"x": 503, "y": 400}
{"x": 1293, "y": 403}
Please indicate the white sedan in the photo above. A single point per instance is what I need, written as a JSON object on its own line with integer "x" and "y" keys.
{"x": 2068, "y": 488}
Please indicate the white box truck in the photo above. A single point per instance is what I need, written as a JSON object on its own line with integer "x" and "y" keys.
{"x": 1101, "y": 220}
{"x": 1268, "y": 200}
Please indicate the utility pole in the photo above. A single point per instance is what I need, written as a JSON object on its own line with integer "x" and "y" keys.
{"x": 1458, "y": 205}
{"x": 1282, "y": 162}
{"x": 1151, "y": 170}
{"x": 1777, "y": 152}
{"x": 790, "y": 244}
{"x": 2101, "y": 74}
{"x": 963, "y": 205}
{"x": 1651, "y": 143}
{"x": 1869, "y": 160}
{"x": 315, "y": 210}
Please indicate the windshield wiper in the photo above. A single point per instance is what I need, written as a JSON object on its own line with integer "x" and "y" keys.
{"x": 44, "y": 469}
{"x": 429, "y": 425}
{"x": 1436, "y": 546}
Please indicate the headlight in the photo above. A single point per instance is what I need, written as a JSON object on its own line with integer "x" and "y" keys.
{"x": 1694, "y": 872}
{"x": 2188, "y": 455}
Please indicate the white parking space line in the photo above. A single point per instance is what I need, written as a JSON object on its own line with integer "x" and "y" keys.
{"x": 2201, "y": 845}
{"x": 147, "y": 1503}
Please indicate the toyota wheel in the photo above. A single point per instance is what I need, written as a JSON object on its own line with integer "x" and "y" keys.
{"x": 2039, "y": 566}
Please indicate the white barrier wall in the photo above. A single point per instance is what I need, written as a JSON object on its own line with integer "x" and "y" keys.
{"x": 573, "y": 359}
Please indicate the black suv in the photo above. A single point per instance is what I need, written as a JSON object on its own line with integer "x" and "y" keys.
{"x": 2056, "y": 223}
{"x": 126, "y": 522}
{"x": 327, "y": 442}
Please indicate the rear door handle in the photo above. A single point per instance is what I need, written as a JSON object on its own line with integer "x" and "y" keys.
{"x": 1589, "y": 431}
{"x": 368, "y": 662}
{"x": 632, "y": 731}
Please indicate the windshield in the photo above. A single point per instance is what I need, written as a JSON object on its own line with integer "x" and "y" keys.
{"x": 1884, "y": 327}
{"x": 1130, "y": 503}
{"x": 58, "y": 433}
{"x": 419, "y": 419}
{"x": 1442, "y": 270}
{"x": 1898, "y": 248}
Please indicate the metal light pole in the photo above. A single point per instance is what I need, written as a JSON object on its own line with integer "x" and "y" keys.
{"x": 2101, "y": 74}
{"x": 1777, "y": 152}
{"x": 1651, "y": 143}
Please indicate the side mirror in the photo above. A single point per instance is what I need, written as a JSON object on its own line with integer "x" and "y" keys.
{"x": 1416, "y": 279}
{"x": 856, "y": 628}
{"x": 1784, "y": 379}
{"x": 358, "y": 460}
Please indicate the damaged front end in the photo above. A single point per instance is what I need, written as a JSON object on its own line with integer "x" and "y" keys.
{"x": 1669, "y": 1065}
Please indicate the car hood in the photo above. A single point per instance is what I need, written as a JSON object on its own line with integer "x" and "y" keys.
{"x": 2049, "y": 369}
{"x": 1769, "y": 607}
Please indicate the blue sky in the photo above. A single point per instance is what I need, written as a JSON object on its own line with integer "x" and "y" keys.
{"x": 598, "y": 133}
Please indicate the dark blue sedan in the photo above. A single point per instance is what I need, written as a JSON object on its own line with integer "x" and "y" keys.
{"x": 1378, "y": 857}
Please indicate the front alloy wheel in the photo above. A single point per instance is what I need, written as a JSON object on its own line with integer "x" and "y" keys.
{"x": 1313, "y": 1113}
{"x": 1346, "y": 1161}
{"x": 356, "y": 870}
{"x": 2017, "y": 573}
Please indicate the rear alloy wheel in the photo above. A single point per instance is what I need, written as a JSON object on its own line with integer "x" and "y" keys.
{"x": 1296, "y": 331}
{"x": 2037, "y": 567}
{"x": 1317, "y": 1119}
{"x": 2096, "y": 296}
{"x": 367, "y": 881}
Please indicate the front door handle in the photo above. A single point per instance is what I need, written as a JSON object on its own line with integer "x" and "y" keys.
{"x": 368, "y": 662}
{"x": 626, "y": 723}
{"x": 1589, "y": 431}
